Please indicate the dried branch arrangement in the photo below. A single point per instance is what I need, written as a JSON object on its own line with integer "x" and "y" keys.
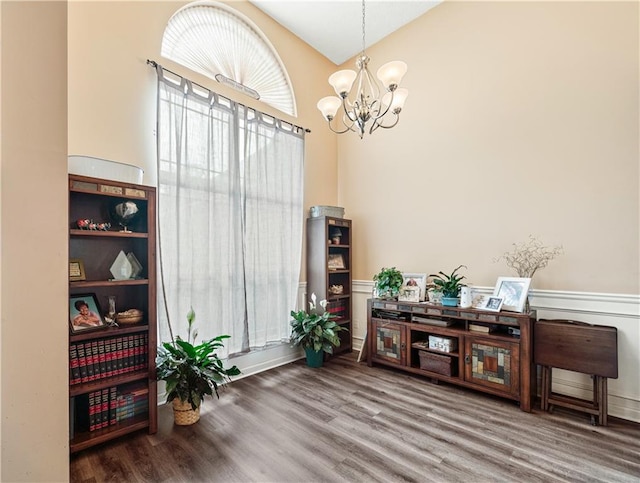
{"x": 528, "y": 257}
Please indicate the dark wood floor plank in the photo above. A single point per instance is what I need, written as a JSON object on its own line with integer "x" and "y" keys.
{"x": 347, "y": 422}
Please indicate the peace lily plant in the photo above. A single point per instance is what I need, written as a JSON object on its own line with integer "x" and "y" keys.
{"x": 191, "y": 371}
{"x": 315, "y": 332}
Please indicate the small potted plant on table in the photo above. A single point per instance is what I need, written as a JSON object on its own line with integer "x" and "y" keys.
{"x": 315, "y": 332}
{"x": 388, "y": 282}
{"x": 191, "y": 372}
{"x": 449, "y": 285}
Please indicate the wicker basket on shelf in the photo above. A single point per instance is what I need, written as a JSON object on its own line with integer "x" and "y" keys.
{"x": 131, "y": 316}
{"x": 183, "y": 414}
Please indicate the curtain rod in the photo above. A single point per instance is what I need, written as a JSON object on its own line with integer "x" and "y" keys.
{"x": 154, "y": 64}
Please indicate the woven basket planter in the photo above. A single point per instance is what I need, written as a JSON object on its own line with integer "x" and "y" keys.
{"x": 183, "y": 415}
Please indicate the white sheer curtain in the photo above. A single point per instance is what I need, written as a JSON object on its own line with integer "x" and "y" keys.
{"x": 230, "y": 217}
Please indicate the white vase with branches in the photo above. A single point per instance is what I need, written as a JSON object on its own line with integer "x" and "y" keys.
{"x": 526, "y": 258}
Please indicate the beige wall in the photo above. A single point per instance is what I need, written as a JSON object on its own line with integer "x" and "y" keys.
{"x": 34, "y": 310}
{"x": 522, "y": 118}
{"x": 533, "y": 106}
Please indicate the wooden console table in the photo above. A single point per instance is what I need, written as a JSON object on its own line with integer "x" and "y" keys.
{"x": 486, "y": 351}
{"x": 579, "y": 347}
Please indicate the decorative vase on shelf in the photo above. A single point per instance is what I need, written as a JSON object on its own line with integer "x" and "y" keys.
{"x": 466, "y": 297}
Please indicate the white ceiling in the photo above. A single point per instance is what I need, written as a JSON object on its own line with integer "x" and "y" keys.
{"x": 334, "y": 27}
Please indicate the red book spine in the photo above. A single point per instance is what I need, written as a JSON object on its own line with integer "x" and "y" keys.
{"x": 113, "y": 404}
{"x": 131, "y": 353}
{"x": 104, "y": 409}
{"x": 74, "y": 365}
{"x": 89, "y": 361}
{"x": 125, "y": 354}
{"x": 102, "y": 358}
{"x": 92, "y": 411}
{"x": 145, "y": 350}
{"x": 95, "y": 360}
{"x": 120, "y": 355}
{"x": 113, "y": 356}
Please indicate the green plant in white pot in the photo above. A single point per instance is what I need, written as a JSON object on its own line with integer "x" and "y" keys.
{"x": 316, "y": 332}
{"x": 449, "y": 285}
{"x": 387, "y": 283}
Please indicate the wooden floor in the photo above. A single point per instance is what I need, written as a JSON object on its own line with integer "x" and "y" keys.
{"x": 349, "y": 422}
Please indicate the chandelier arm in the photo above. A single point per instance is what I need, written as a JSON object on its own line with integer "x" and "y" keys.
{"x": 375, "y": 118}
{"x": 377, "y": 124}
{"x": 348, "y": 112}
{"x": 388, "y": 107}
{"x": 339, "y": 132}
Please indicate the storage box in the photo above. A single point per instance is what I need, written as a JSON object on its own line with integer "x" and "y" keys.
{"x": 320, "y": 210}
{"x": 444, "y": 344}
{"x": 436, "y": 363}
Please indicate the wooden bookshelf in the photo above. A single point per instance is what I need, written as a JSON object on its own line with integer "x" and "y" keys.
{"x": 135, "y": 344}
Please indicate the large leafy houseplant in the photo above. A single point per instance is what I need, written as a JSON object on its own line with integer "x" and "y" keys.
{"x": 191, "y": 371}
{"x": 315, "y": 331}
{"x": 388, "y": 282}
{"x": 449, "y": 284}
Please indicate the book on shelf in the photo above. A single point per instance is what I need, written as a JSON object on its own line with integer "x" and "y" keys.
{"x": 120, "y": 355}
{"x": 92, "y": 410}
{"x": 90, "y": 361}
{"x": 89, "y": 358}
{"x": 485, "y": 329}
{"x": 74, "y": 365}
{"x": 113, "y": 404}
{"x": 82, "y": 363}
{"x": 102, "y": 358}
{"x": 104, "y": 409}
{"x": 430, "y": 321}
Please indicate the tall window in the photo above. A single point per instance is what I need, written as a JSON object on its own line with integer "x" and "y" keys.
{"x": 230, "y": 215}
{"x": 217, "y": 41}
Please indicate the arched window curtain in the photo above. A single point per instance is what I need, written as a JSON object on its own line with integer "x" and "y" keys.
{"x": 230, "y": 216}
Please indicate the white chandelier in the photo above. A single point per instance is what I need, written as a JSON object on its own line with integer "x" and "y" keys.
{"x": 362, "y": 105}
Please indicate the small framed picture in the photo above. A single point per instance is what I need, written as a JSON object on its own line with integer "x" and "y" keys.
{"x": 84, "y": 313}
{"x": 76, "y": 270}
{"x": 416, "y": 280}
{"x": 513, "y": 291}
{"x": 336, "y": 261}
{"x": 409, "y": 293}
{"x": 492, "y": 303}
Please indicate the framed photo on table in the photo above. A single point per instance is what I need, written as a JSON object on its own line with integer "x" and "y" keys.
{"x": 492, "y": 303}
{"x": 513, "y": 291}
{"x": 416, "y": 280}
{"x": 84, "y": 313}
{"x": 409, "y": 293}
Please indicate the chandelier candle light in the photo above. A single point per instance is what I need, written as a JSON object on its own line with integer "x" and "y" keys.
{"x": 362, "y": 104}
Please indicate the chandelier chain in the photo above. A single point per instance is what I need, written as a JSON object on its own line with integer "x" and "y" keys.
{"x": 363, "y": 43}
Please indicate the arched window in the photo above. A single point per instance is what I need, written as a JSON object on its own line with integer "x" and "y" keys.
{"x": 219, "y": 42}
